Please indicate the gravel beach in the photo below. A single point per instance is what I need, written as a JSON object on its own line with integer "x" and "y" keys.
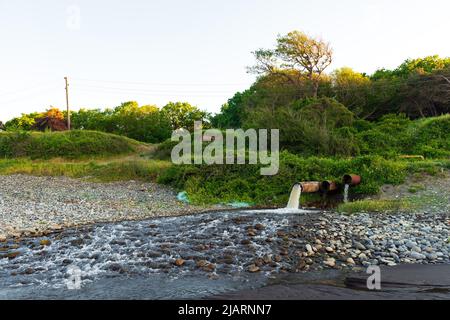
{"x": 31, "y": 205}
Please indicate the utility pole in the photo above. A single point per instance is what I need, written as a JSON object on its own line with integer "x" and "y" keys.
{"x": 67, "y": 103}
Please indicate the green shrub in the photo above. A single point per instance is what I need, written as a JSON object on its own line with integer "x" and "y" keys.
{"x": 66, "y": 144}
{"x": 218, "y": 183}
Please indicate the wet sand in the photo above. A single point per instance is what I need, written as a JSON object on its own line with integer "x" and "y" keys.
{"x": 402, "y": 282}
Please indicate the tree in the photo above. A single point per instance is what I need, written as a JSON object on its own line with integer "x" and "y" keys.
{"x": 231, "y": 114}
{"x": 295, "y": 57}
{"x": 24, "y": 122}
{"x": 52, "y": 119}
{"x": 425, "y": 95}
{"x": 351, "y": 89}
{"x": 146, "y": 123}
{"x": 183, "y": 115}
{"x": 425, "y": 65}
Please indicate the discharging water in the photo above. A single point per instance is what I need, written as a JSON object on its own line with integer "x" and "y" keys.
{"x": 346, "y": 187}
{"x": 294, "y": 198}
{"x": 136, "y": 259}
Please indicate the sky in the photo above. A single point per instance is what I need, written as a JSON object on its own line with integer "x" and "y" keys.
{"x": 156, "y": 51}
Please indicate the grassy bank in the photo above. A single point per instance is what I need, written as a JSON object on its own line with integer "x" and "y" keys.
{"x": 117, "y": 170}
{"x": 76, "y": 144}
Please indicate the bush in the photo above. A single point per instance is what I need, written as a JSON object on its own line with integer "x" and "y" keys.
{"x": 218, "y": 183}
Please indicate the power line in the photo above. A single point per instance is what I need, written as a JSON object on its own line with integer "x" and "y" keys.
{"x": 49, "y": 84}
{"x": 161, "y": 84}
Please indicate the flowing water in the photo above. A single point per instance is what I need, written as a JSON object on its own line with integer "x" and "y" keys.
{"x": 294, "y": 198}
{"x": 346, "y": 187}
{"x": 136, "y": 259}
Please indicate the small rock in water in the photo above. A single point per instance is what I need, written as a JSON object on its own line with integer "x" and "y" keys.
{"x": 309, "y": 249}
{"x": 45, "y": 242}
{"x": 2, "y": 238}
{"x": 281, "y": 233}
{"x": 29, "y": 271}
{"x": 179, "y": 262}
{"x": 259, "y": 226}
{"x": 350, "y": 261}
{"x": 210, "y": 267}
{"x": 253, "y": 268}
{"x": 267, "y": 259}
{"x": 329, "y": 249}
{"x": 202, "y": 263}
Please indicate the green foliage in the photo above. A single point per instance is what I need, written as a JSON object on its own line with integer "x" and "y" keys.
{"x": 24, "y": 122}
{"x": 218, "y": 183}
{"x": 144, "y": 123}
{"x": 396, "y": 135}
{"x": 66, "y": 144}
{"x": 310, "y": 127}
{"x": 417, "y": 88}
{"x": 183, "y": 115}
{"x": 231, "y": 113}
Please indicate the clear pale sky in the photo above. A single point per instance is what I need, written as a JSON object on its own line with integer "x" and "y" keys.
{"x": 157, "y": 51}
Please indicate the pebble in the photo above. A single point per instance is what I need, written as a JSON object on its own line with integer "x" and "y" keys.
{"x": 417, "y": 256}
{"x": 253, "y": 268}
{"x": 331, "y": 262}
{"x": 60, "y": 202}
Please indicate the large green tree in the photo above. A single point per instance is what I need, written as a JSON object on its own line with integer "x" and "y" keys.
{"x": 183, "y": 115}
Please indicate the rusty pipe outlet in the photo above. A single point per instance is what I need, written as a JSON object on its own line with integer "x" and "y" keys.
{"x": 310, "y": 186}
{"x": 327, "y": 186}
{"x": 351, "y": 179}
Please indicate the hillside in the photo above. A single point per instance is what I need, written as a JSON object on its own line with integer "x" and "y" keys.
{"x": 74, "y": 144}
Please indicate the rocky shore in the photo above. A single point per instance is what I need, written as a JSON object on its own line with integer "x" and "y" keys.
{"x": 254, "y": 242}
{"x": 338, "y": 241}
{"x": 32, "y": 206}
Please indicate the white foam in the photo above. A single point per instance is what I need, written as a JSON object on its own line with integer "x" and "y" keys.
{"x": 281, "y": 211}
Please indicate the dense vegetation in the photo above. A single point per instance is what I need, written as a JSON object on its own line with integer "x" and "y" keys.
{"x": 144, "y": 123}
{"x": 216, "y": 183}
{"x": 330, "y": 124}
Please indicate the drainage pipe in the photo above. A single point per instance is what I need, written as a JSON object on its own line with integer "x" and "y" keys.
{"x": 310, "y": 186}
{"x": 351, "y": 179}
{"x": 327, "y": 186}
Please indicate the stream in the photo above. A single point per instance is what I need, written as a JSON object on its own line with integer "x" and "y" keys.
{"x": 136, "y": 259}
{"x": 190, "y": 257}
